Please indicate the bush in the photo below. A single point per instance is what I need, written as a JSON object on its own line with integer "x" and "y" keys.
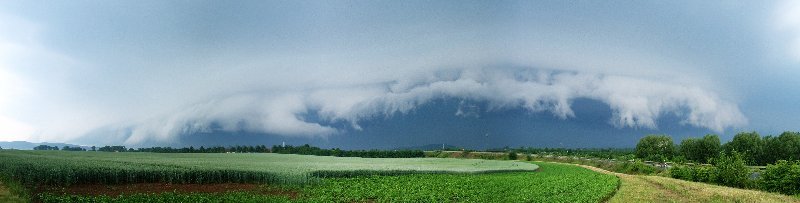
{"x": 731, "y": 170}
{"x": 682, "y": 172}
{"x": 782, "y": 177}
{"x": 512, "y": 156}
{"x": 637, "y": 167}
{"x": 707, "y": 174}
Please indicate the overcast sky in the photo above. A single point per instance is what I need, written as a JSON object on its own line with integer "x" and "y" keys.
{"x": 156, "y": 71}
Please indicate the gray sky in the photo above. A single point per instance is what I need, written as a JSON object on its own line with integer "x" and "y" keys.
{"x": 149, "y": 71}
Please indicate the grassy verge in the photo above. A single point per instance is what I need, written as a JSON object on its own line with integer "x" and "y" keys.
{"x": 646, "y": 188}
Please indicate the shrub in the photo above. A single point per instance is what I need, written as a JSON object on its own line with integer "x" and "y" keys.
{"x": 682, "y": 172}
{"x": 782, "y": 177}
{"x": 706, "y": 174}
{"x": 637, "y": 167}
{"x": 512, "y": 156}
{"x": 731, "y": 170}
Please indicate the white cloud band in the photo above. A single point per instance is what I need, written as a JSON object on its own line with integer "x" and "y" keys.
{"x": 634, "y": 102}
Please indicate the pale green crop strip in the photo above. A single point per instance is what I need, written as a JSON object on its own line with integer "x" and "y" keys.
{"x": 65, "y": 168}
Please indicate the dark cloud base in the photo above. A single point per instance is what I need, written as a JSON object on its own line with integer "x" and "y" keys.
{"x": 436, "y": 122}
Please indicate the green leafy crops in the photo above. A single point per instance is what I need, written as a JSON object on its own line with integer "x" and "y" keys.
{"x": 168, "y": 197}
{"x": 553, "y": 183}
{"x": 60, "y": 168}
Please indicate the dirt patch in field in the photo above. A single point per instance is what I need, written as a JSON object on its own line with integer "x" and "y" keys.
{"x": 149, "y": 188}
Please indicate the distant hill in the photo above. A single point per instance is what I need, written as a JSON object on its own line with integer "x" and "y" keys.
{"x": 430, "y": 147}
{"x": 30, "y": 145}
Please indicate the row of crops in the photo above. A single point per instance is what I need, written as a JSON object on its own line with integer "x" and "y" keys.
{"x": 32, "y": 170}
{"x": 56, "y": 168}
{"x": 553, "y": 183}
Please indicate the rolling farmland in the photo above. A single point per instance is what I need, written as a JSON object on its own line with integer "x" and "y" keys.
{"x": 67, "y": 168}
{"x": 298, "y": 178}
{"x": 58, "y": 176}
{"x": 554, "y": 183}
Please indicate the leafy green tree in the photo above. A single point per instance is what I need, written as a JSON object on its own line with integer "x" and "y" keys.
{"x": 655, "y": 148}
{"x": 748, "y": 144}
{"x": 688, "y": 149}
{"x": 700, "y": 149}
{"x": 784, "y": 147}
{"x": 791, "y": 145}
{"x": 772, "y": 150}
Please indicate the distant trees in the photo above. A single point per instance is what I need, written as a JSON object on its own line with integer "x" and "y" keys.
{"x": 603, "y": 153}
{"x": 63, "y": 148}
{"x": 310, "y": 150}
{"x": 700, "y": 150}
{"x": 202, "y": 149}
{"x": 288, "y": 149}
{"x": 756, "y": 150}
{"x": 68, "y": 148}
{"x": 45, "y": 147}
{"x": 113, "y": 149}
{"x": 655, "y": 148}
{"x": 753, "y": 149}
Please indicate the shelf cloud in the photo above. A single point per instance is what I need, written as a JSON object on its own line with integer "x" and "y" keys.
{"x": 635, "y": 102}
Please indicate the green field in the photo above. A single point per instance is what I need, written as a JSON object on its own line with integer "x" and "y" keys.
{"x": 67, "y": 168}
{"x": 342, "y": 179}
{"x": 554, "y": 183}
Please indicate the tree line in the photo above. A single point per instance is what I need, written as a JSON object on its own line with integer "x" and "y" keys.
{"x": 754, "y": 149}
{"x": 288, "y": 149}
{"x": 310, "y": 150}
{"x": 603, "y": 153}
{"x": 64, "y": 148}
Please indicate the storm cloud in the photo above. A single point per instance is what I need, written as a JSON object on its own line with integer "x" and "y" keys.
{"x": 153, "y": 71}
{"x": 635, "y": 102}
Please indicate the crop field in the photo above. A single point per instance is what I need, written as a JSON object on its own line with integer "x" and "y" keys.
{"x": 67, "y": 168}
{"x": 298, "y": 178}
{"x": 554, "y": 183}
